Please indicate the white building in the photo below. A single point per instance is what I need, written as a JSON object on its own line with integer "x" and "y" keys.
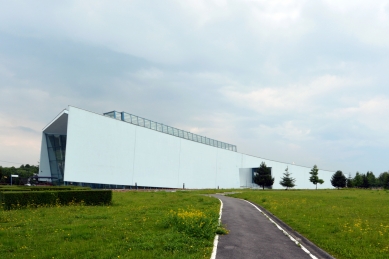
{"x": 121, "y": 150}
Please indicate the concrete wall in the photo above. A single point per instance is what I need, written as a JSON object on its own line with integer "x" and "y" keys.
{"x": 104, "y": 150}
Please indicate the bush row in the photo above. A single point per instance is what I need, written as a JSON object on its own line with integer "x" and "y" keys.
{"x": 41, "y": 188}
{"x": 14, "y": 200}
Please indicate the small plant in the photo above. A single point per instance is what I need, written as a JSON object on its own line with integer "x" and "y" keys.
{"x": 193, "y": 223}
{"x": 221, "y": 230}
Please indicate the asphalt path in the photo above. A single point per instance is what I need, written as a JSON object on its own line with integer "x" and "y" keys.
{"x": 252, "y": 235}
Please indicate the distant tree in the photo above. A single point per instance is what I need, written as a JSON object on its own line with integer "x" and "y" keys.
{"x": 287, "y": 181}
{"x": 263, "y": 176}
{"x": 365, "y": 181}
{"x": 24, "y": 171}
{"x": 315, "y": 176}
{"x": 350, "y": 181}
{"x": 338, "y": 180}
{"x": 386, "y": 181}
{"x": 383, "y": 180}
{"x": 371, "y": 179}
{"x": 358, "y": 181}
{"x": 6, "y": 175}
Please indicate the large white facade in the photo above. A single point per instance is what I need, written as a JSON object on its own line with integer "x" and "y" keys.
{"x": 103, "y": 150}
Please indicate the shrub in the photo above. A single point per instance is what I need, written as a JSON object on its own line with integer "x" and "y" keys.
{"x": 91, "y": 197}
{"x": 41, "y": 188}
{"x": 37, "y": 189}
{"x": 12, "y": 200}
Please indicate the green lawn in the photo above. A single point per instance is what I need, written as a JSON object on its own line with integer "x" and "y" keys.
{"x": 345, "y": 223}
{"x": 136, "y": 225}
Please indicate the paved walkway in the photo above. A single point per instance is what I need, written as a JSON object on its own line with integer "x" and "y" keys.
{"x": 252, "y": 235}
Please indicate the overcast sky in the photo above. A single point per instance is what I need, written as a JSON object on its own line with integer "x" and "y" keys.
{"x": 302, "y": 82}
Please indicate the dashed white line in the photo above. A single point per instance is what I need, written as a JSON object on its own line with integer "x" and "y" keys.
{"x": 286, "y": 233}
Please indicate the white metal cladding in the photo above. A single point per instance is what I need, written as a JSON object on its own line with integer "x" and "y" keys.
{"x": 102, "y": 150}
{"x": 139, "y": 121}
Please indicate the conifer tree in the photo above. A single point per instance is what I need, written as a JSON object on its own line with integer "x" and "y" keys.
{"x": 263, "y": 176}
{"x": 287, "y": 181}
{"x": 358, "y": 181}
{"x": 350, "y": 181}
{"x": 338, "y": 180}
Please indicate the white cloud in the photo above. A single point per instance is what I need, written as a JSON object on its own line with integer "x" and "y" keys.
{"x": 292, "y": 98}
{"x": 152, "y": 73}
{"x": 372, "y": 113}
{"x": 367, "y": 21}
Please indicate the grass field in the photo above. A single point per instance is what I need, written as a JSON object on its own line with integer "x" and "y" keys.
{"x": 136, "y": 225}
{"x": 345, "y": 223}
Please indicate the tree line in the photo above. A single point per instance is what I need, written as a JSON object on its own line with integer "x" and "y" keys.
{"x": 263, "y": 178}
{"x": 24, "y": 171}
{"x": 368, "y": 180}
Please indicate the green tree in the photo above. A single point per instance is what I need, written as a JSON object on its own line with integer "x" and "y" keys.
{"x": 371, "y": 179}
{"x": 365, "y": 181}
{"x": 287, "y": 181}
{"x": 358, "y": 181}
{"x": 314, "y": 178}
{"x": 338, "y": 179}
{"x": 262, "y": 176}
{"x": 24, "y": 171}
{"x": 350, "y": 182}
{"x": 383, "y": 180}
{"x": 6, "y": 174}
{"x": 386, "y": 182}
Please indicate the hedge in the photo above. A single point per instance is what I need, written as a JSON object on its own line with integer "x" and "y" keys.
{"x": 14, "y": 200}
{"x": 52, "y": 188}
{"x": 41, "y": 188}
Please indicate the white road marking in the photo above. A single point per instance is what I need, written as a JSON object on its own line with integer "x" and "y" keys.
{"x": 286, "y": 233}
{"x": 216, "y": 240}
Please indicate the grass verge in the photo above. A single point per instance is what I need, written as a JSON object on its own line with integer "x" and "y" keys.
{"x": 136, "y": 225}
{"x": 345, "y": 223}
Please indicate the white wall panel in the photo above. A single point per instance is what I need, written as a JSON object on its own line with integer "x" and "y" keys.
{"x": 104, "y": 150}
{"x": 156, "y": 158}
{"x": 228, "y": 169}
{"x": 197, "y": 165}
{"x": 99, "y": 149}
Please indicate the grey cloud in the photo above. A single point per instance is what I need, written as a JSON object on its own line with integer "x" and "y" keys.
{"x": 172, "y": 63}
